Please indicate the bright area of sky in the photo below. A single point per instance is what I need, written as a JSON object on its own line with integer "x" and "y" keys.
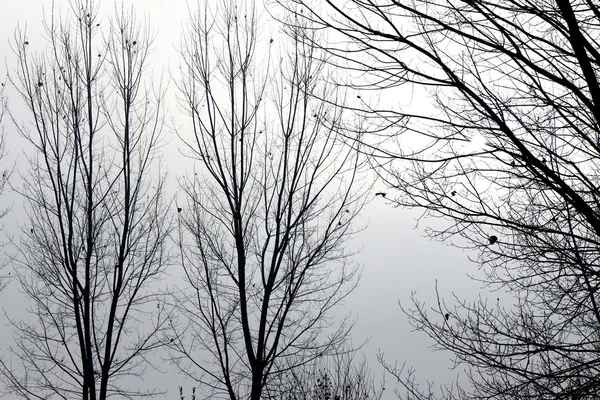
{"x": 395, "y": 256}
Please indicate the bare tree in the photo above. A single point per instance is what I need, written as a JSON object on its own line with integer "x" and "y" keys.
{"x": 94, "y": 243}
{"x": 4, "y": 179}
{"x": 507, "y": 155}
{"x": 337, "y": 377}
{"x": 265, "y": 232}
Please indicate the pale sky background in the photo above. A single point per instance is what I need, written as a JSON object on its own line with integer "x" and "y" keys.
{"x": 396, "y": 258}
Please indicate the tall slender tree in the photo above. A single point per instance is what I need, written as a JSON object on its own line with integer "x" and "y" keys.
{"x": 264, "y": 235}
{"x": 95, "y": 240}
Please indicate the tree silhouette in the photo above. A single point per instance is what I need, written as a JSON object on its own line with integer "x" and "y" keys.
{"x": 5, "y": 175}
{"x": 510, "y": 149}
{"x": 96, "y": 230}
{"x": 264, "y": 238}
{"x": 338, "y": 377}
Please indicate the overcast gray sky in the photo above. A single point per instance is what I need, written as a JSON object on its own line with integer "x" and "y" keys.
{"x": 396, "y": 258}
